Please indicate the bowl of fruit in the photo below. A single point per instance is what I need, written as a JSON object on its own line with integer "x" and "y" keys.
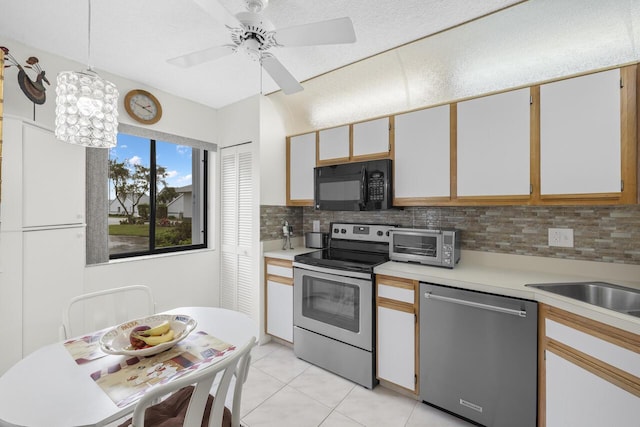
{"x": 147, "y": 336}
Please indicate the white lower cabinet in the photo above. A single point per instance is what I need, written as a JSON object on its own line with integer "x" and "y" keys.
{"x": 578, "y": 398}
{"x": 279, "y": 298}
{"x": 591, "y": 373}
{"x": 280, "y": 310}
{"x": 396, "y": 332}
{"x": 396, "y": 347}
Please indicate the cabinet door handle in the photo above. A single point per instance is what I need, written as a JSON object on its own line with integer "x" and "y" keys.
{"x": 520, "y": 313}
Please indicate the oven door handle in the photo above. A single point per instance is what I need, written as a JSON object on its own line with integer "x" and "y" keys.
{"x": 353, "y": 274}
{"x": 519, "y": 313}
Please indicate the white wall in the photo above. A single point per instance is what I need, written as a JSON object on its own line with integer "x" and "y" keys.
{"x": 239, "y": 122}
{"x": 273, "y": 153}
{"x": 176, "y": 279}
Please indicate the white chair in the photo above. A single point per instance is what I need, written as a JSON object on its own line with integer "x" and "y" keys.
{"x": 98, "y": 310}
{"x": 189, "y": 406}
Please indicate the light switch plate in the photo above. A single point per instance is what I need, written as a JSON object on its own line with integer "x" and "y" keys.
{"x": 561, "y": 237}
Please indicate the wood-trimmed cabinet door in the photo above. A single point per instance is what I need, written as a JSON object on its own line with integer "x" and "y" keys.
{"x": 422, "y": 157}
{"x": 334, "y": 145}
{"x": 589, "y": 372}
{"x": 279, "y": 298}
{"x": 588, "y": 138}
{"x": 301, "y": 159}
{"x": 494, "y": 148}
{"x": 397, "y": 332}
{"x": 372, "y": 139}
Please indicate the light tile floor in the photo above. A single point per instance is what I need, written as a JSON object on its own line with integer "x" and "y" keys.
{"x": 283, "y": 391}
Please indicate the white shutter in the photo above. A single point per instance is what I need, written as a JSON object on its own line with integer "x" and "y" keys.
{"x": 245, "y": 200}
{"x": 229, "y": 198}
{"x": 228, "y": 261}
{"x": 238, "y": 289}
{"x": 246, "y": 282}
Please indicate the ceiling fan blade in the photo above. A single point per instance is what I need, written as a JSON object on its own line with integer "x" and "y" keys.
{"x": 218, "y": 12}
{"x": 333, "y": 31}
{"x": 280, "y": 75}
{"x": 200, "y": 56}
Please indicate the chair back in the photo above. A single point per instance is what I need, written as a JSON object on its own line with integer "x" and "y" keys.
{"x": 98, "y": 310}
{"x": 203, "y": 382}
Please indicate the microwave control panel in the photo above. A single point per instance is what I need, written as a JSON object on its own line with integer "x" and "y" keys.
{"x": 376, "y": 186}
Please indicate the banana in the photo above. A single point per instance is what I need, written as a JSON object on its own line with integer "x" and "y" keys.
{"x": 157, "y": 339}
{"x": 161, "y": 329}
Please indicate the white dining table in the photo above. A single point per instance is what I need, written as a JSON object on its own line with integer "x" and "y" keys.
{"x": 48, "y": 388}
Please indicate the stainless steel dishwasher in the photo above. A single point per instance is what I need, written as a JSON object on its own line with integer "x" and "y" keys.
{"x": 478, "y": 355}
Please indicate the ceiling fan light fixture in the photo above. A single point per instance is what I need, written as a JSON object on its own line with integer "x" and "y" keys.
{"x": 251, "y": 49}
{"x": 86, "y": 107}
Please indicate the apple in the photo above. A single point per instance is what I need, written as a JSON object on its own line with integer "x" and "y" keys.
{"x": 135, "y": 342}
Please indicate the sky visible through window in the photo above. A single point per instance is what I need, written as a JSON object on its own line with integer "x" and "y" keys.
{"x": 176, "y": 158}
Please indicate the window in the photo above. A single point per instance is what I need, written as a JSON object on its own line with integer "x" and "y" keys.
{"x": 157, "y": 196}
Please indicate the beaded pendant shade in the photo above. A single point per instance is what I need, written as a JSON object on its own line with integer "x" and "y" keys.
{"x": 86, "y": 107}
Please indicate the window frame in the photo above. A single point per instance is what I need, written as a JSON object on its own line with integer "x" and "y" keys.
{"x": 97, "y": 200}
{"x": 153, "y": 193}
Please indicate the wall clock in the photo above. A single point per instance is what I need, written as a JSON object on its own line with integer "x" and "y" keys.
{"x": 142, "y": 106}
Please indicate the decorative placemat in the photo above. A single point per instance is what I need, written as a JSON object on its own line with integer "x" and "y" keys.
{"x": 126, "y": 381}
{"x": 85, "y": 349}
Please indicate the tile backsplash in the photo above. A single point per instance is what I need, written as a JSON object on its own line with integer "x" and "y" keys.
{"x": 601, "y": 233}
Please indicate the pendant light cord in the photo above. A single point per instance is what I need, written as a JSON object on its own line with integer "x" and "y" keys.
{"x": 89, "y": 38}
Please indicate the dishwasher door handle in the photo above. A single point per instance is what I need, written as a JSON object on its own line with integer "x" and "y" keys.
{"x": 519, "y": 313}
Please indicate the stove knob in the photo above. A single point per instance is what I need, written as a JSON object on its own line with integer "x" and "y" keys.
{"x": 343, "y": 231}
{"x": 336, "y": 231}
{"x": 380, "y": 233}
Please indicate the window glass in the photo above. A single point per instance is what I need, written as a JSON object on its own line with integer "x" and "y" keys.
{"x": 157, "y": 197}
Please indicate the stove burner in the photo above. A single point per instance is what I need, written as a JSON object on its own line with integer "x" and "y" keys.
{"x": 352, "y": 247}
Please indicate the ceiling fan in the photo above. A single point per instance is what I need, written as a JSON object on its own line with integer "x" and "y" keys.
{"x": 253, "y": 35}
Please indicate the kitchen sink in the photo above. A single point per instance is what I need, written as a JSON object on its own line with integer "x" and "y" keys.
{"x": 602, "y": 294}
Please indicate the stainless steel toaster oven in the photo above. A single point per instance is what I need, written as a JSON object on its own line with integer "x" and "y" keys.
{"x": 430, "y": 247}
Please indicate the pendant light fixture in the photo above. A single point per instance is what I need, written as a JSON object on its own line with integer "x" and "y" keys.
{"x": 86, "y": 106}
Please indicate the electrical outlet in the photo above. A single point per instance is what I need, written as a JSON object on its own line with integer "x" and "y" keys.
{"x": 316, "y": 225}
{"x": 562, "y": 237}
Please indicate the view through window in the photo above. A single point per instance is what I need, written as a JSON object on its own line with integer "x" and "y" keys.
{"x": 157, "y": 197}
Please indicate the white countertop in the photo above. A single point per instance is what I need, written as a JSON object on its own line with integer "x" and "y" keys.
{"x": 288, "y": 254}
{"x": 508, "y": 274}
{"x": 273, "y": 248}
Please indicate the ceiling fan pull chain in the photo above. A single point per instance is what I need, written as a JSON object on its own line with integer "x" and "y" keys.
{"x": 261, "y": 94}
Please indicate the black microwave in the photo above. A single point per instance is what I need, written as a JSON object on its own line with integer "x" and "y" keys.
{"x": 362, "y": 186}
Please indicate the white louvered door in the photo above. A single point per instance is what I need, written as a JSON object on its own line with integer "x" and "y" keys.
{"x": 238, "y": 279}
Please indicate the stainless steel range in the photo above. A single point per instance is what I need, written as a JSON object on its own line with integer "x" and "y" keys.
{"x": 333, "y": 301}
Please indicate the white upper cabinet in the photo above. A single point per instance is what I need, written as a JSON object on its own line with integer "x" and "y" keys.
{"x": 422, "y": 154}
{"x": 372, "y": 137}
{"x": 493, "y": 145}
{"x": 53, "y": 190}
{"x": 580, "y": 135}
{"x": 333, "y": 144}
{"x": 302, "y": 160}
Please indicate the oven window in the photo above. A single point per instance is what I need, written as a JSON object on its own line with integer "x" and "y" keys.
{"x": 412, "y": 244}
{"x": 330, "y": 302}
{"x": 340, "y": 190}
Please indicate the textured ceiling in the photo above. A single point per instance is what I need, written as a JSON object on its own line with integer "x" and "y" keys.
{"x": 533, "y": 42}
{"x": 134, "y": 38}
